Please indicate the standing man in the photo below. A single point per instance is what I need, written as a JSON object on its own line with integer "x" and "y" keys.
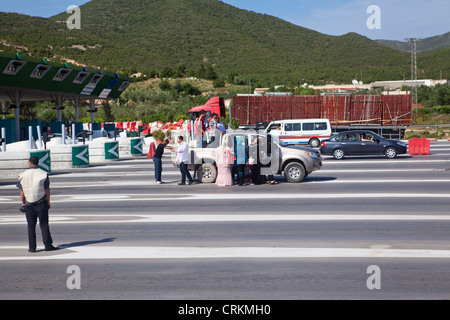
{"x": 34, "y": 186}
{"x": 183, "y": 158}
{"x": 157, "y": 159}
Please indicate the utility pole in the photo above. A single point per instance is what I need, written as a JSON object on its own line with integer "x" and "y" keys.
{"x": 414, "y": 89}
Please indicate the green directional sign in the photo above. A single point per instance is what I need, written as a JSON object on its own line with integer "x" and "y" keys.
{"x": 136, "y": 147}
{"x": 112, "y": 150}
{"x": 80, "y": 156}
{"x": 44, "y": 159}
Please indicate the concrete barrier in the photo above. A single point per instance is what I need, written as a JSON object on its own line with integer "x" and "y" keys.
{"x": 61, "y": 156}
{"x": 12, "y": 164}
{"x": 15, "y": 159}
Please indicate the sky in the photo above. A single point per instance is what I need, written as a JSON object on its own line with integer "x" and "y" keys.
{"x": 388, "y": 20}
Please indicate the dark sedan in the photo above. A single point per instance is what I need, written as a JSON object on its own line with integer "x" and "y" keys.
{"x": 361, "y": 142}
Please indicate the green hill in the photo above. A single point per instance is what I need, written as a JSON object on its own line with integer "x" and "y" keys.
{"x": 147, "y": 35}
{"x": 423, "y": 45}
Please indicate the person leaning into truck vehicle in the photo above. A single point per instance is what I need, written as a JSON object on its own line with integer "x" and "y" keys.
{"x": 200, "y": 129}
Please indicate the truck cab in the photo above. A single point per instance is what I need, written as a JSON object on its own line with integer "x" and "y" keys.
{"x": 214, "y": 105}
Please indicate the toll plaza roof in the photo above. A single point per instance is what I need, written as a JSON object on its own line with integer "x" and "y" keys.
{"x": 40, "y": 80}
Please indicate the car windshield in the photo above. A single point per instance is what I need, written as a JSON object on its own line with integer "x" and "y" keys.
{"x": 376, "y": 136}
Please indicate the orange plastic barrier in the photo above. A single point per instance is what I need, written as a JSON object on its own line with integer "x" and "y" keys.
{"x": 419, "y": 146}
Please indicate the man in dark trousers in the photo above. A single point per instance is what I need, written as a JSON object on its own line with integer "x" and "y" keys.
{"x": 183, "y": 158}
{"x": 34, "y": 188}
{"x": 157, "y": 159}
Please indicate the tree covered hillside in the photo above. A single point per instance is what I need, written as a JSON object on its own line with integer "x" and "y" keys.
{"x": 147, "y": 36}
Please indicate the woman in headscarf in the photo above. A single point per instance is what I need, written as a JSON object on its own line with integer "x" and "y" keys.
{"x": 224, "y": 162}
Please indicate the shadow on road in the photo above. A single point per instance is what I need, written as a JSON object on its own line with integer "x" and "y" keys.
{"x": 85, "y": 243}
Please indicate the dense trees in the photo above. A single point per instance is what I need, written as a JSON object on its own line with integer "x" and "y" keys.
{"x": 208, "y": 39}
{"x": 434, "y": 96}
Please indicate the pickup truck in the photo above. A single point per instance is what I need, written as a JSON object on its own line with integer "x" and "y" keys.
{"x": 295, "y": 162}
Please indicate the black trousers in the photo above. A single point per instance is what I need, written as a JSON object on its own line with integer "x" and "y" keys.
{"x": 33, "y": 212}
{"x": 185, "y": 173}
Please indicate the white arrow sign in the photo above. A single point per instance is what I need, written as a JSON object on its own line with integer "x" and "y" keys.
{"x": 82, "y": 157}
{"x": 42, "y": 164}
{"x": 138, "y": 147}
{"x": 113, "y": 150}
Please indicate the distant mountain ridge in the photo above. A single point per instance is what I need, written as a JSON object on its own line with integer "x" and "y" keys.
{"x": 423, "y": 45}
{"x": 147, "y": 35}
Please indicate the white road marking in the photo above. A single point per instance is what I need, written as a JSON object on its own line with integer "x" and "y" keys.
{"x": 176, "y": 174}
{"x": 134, "y": 183}
{"x": 382, "y": 161}
{"x": 184, "y": 218}
{"x": 337, "y": 181}
{"x": 120, "y": 253}
{"x": 370, "y": 170}
{"x": 111, "y": 198}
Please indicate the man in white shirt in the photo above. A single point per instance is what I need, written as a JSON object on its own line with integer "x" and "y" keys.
{"x": 34, "y": 189}
{"x": 183, "y": 158}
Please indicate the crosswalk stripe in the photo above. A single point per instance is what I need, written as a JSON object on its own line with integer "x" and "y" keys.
{"x": 120, "y": 253}
{"x": 183, "y": 218}
{"x": 231, "y": 196}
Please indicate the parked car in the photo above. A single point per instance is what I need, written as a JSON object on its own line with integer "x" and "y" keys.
{"x": 294, "y": 161}
{"x": 361, "y": 142}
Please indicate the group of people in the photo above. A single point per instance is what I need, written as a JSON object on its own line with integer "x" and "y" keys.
{"x": 234, "y": 160}
{"x": 235, "y": 163}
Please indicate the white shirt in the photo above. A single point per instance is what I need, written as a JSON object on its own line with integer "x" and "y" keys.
{"x": 33, "y": 183}
{"x": 183, "y": 153}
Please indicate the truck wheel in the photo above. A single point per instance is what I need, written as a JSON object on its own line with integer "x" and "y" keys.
{"x": 207, "y": 173}
{"x": 294, "y": 172}
{"x": 314, "y": 143}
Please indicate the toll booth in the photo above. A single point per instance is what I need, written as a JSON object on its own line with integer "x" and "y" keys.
{"x": 28, "y": 79}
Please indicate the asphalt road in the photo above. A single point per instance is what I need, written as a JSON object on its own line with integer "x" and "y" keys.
{"x": 133, "y": 239}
